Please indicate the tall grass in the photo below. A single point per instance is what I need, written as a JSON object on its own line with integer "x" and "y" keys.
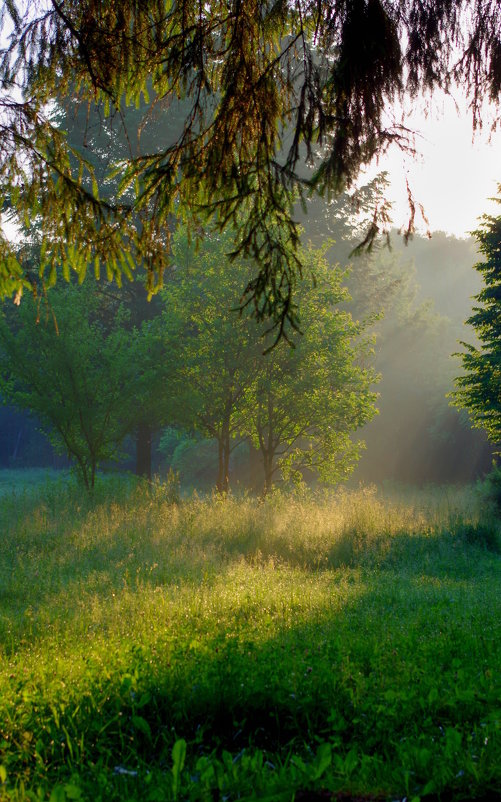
{"x": 331, "y": 641}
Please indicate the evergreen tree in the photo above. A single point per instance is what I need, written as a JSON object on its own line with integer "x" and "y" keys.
{"x": 479, "y": 389}
{"x": 274, "y": 100}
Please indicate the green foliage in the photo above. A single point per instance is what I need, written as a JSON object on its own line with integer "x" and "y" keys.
{"x": 264, "y": 102}
{"x": 85, "y": 376}
{"x": 217, "y": 353}
{"x": 195, "y": 459}
{"x": 213, "y": 648}
{"x": 490, "y": 490}
{"x": 93, "y": 370}
{"x": 479, "y": 389}
{"x": 298, "y": 406}
{"x": 170, "y": 439}
{"x": 307, "y": 401}
{"x": 485, "y": 534}
{"x": 404, "y": 296}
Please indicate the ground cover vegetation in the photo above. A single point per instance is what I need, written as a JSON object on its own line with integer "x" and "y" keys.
{"x": 223, "y": 648}
{"x": 268, "y": 102}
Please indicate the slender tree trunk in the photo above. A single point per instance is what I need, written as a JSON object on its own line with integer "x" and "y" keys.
{"x": 267, "y": 451}
{"x": 223, "y": 477}
{"x": 220, "y": 464}
{"x": 254, "y": 468}
{"x": 84, "y": 471}
{"x": 267, "y": 445}
{"x": 226, "y": 461}
{"x": 223, "y": 465}
{"x": 268, "y": 472}
{"x": 143, "y": 450}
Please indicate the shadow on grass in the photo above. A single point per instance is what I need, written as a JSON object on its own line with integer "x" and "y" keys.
{"x": 398, "y": 677}
{"x": 59, "y": 557}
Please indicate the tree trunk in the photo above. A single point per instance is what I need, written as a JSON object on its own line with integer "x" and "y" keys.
{"x": 84, "y": 472}
{"x": 226, "y": 459}
{"x": 220, "y": 465}
{"x": 16, "y": 447}
{"x": 267, "y": 445}
{"x": 255, "y": 468}
{"x": 223, "y": 474}
{"x": 143, "y": 450}
{"x": 223, "y": 464}
{"x": 268, "y": 473}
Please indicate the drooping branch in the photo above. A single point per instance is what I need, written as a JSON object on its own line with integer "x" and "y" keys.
{"x": 274, "y": 100}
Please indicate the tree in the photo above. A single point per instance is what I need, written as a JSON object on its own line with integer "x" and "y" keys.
{"x": 101, "y": 145}
{"x": 479, "y": 389}
{"x": 215, "y": 353}
{"x": 271, "y": 101}
{"x": 85, "y": 375}
{"x": 298, "y": 406}
{"x": 153, "y": 395}
{"x": 307, "y": 401}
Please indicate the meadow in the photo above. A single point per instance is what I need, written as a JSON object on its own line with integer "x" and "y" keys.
{"x": 313, "y": 646}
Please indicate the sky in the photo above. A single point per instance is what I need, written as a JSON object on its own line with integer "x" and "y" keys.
{"x": 453, "y": 177}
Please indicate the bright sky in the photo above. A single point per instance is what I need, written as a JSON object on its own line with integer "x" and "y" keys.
{"x": 454, "y": 176}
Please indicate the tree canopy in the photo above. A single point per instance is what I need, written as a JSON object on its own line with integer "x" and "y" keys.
{"x": 298, "y": 407}
{"x": 87, "y": 373}
{"x": 217, "y": 354}
{"x": 266, "y": 102}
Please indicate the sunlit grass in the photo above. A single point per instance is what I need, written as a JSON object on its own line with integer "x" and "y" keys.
{"x": 346, "y": 636}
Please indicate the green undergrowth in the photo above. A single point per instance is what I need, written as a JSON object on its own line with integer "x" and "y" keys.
{"x": 234, "y": 649}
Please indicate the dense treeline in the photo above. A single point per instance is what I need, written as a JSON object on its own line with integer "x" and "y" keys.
{"x": 93, "y": 372}
{"x": 182, "y": 382}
